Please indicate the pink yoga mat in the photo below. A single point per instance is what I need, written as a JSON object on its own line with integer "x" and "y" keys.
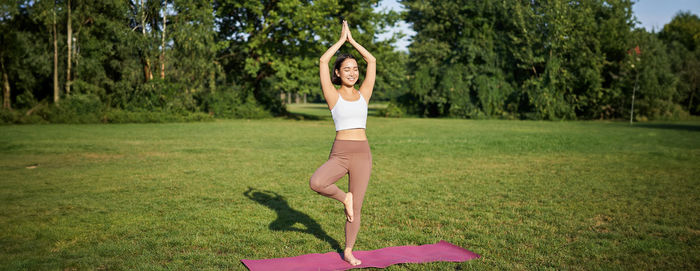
{"x": 380, "y": 258}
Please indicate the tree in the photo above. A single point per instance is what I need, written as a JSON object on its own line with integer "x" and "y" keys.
{"x": 55, "y": 56}
{"x": 656, "y": 91}
{"x": 7, "y": 40}
{"x": 69, "y": 47}
{"x": 43, "y": 17}
{"x": 25, "y": 53}
{"x": 5, "y": 87}
{"x": 143, "y": 18}
{"x": 530, "y": 59}
{"x": 684, "y": 28}
{"x": 162, "y": 41}
{"x": 272, "y": 45}
{"x": 193, "y": 43}
{"x": 682, "y": 37}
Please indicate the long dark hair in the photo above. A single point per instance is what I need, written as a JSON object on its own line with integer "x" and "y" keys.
{"x": 339, "y": 60}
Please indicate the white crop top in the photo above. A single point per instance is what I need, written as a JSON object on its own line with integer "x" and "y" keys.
{"x": 350, "y": 114}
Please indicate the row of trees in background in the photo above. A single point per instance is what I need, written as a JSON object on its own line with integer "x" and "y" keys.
{"x": 549, "y": 59}
{"x": 87, "y": 60}
{"x": 116, "y": 60}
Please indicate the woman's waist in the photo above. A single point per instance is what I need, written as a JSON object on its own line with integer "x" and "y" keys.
{"x": 350, "y": 146}
{"x": 357, "y": 134}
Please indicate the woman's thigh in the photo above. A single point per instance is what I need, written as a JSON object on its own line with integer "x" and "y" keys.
{"x": 330, "y": 172}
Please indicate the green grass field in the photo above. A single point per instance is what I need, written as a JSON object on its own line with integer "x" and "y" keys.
{"x": 523, "y": 194}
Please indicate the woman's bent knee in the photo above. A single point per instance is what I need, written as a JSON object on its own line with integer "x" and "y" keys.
{"x": 315, "y": 185}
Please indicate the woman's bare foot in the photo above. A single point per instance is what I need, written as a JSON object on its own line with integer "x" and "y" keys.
{"x": 350, "y": 258}
{"x": 348, "y": 207}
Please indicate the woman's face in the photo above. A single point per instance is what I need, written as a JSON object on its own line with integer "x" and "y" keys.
{"x": 348, "y": 72}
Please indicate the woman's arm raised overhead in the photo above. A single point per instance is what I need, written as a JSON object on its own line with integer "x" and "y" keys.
{"x": 368, "y": 83}
{"x": 329, "y": 92}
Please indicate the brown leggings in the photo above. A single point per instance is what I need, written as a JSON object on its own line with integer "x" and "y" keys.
{"x": 351, "y": 157}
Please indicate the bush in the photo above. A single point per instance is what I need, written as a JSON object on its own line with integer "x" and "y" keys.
{"x": 154, "y": 102}
{"x": 657, "y": 109}
{"x": 19, "y": 117}
{"x": 228, "y": 104}
{"x": 78, "y": 108}
{"x": 81, "y": 87}
{"x": 391, "y": 111}
{"x": 25, "y": 100}
{"x": 9, "y": 116}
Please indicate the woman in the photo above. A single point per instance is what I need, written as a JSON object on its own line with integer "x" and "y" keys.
{"x": 350, "y": 153}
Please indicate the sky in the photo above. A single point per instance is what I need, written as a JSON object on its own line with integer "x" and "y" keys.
{"x": 651, "y": 14}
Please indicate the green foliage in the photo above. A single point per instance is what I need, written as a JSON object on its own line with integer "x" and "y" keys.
{"x": 155, "y": 95}
{"x": 228, "y": 104}
{"x": 541, "y": 60}
{"x": 392, "y": 110}
{"x": 682, "y": 38}
{"x": 493, "y": 92}
{"x": 656, "y": 96}
{"x": 24, "y": 50}
{"x": 79, "y": 108}
{"x": 79, "y": 86}
{"x": 18, "y": 117}
{"x": 551, "y": 59}
{"x": 392, "y": 73}
{"x": 684, "y": 28}
{"x": 25, "y": 100}
{"x": 117, "y": 44}
{"x": 546, "y": 93}
{"x": 8, "y": 116}
{"x": 274, "y": 46}
{"x": 194, "y": 46}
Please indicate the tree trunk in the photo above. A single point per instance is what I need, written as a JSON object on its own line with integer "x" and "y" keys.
{"x": 147, "y": 74}
{"x": 5, "y": 87}
{"x": 692, "y": 91}
{"x": 289, "y": 98}
{"x": 282, "y": 97}
{"x": 162, "y": 43}
{"x": 690, "y": 102}
{"x": 304, "y": 97}
{"x": 634, "y": 90}
{"x": 74, "y": 54}
{"x": 55, "y": 59}
{"x": 296, "y": 98}
{"x": 69, "y": 42}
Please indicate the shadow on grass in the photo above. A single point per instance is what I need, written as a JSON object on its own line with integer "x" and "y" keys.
{"x": 288, "y": 217}
{"x": 671, "y": 126}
